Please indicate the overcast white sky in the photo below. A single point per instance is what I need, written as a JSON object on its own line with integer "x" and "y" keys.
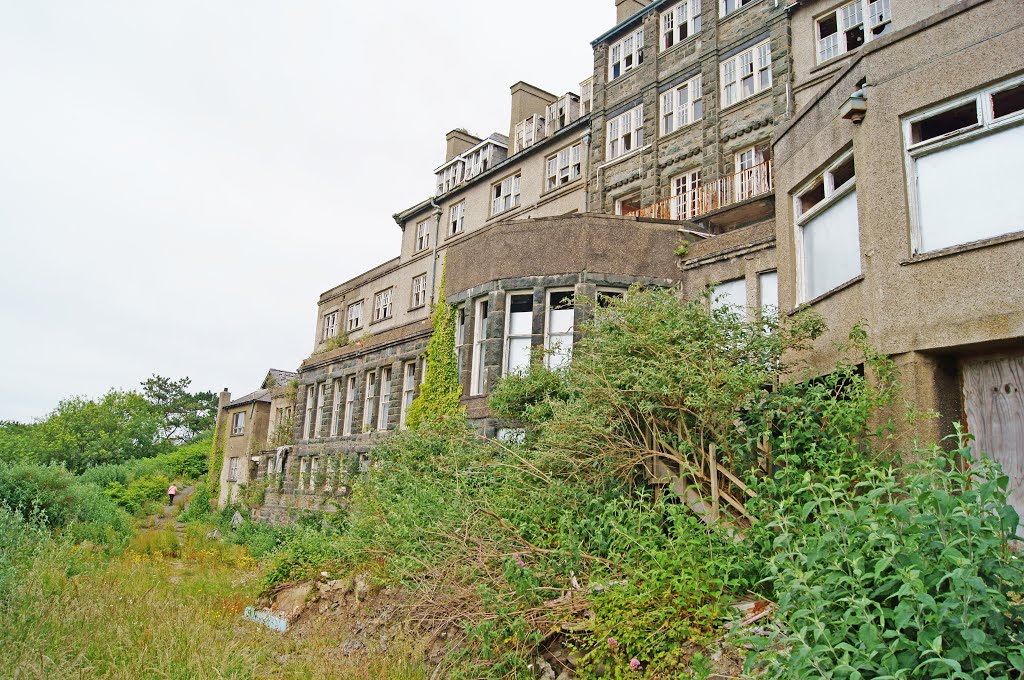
{"x": 179, "y": 180}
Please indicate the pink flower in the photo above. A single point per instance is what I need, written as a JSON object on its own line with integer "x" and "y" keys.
{"x": 634, "y": 663}
{"x": 520, "y": 563}
{"x": 613, "y": 643}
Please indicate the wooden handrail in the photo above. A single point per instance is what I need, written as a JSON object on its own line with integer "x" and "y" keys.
{"x": 739, "y": 186}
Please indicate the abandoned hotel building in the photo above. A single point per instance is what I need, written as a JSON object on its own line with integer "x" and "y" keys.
{"x": 859, "y": 157}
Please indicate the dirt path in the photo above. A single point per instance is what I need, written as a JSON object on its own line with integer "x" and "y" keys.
{"x": 169, "y": 515}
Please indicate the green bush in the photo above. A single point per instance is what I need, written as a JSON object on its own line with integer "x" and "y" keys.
{"x": 905, "y": 577}
{"x": 260, "y": 539}
{"x": 303, "y": 555}
{"x": 20, "y": 537}
{"x": 136, "y": 494}
{"x": 198, "y": 509}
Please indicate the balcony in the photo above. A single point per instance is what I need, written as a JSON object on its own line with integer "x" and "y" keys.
{"x": 713, "y": 196}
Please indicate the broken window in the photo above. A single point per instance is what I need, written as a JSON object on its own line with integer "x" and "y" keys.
{"x": 238, "y": 423}
{"x": 456, "y": 216}
{"x": 562, "y": 112}
{"x": 563, "y": 167}
{"x": 506, "y": 194}
{"x": 321, "y": 404}
{"x": 408, "y": 390}
{"x": 233, "y": 469}
{"x": 729, "y": 6}
{"x": 350, "y": 405}
{"x": 625, "y": 132}
{"x": 679, "y": 22}
{"x": 957, "y": 165}
{"x": 382, "y": 305}
{"x": 746, "y": 73}
{"x": 336, "y": 407}
{"x": 450, "y": 176}
{"x": 354, "y": 315}
{"x": 561, "y": 317}
{"x": 369, "y": 396}
{"x": 752, "y": 177}
{"x": 828, "y": 231}
{"x": 478, "y": 381}
{"x": 626, "y": 54}
{"x": 518, "y": 332}
{"x": 384, "y": 408}
{"x": 606, "y": 297}
{"x": 844, "y": 29}
{"x": 586, "y": 96}
{"x": 330, "y": 326}
{"x": 685, "y": 195}
{"x": 682, "y": 105}
{"x": 310, "y": 410}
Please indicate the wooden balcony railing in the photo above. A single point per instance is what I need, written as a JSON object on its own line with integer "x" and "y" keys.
{"x": 689, "y": 205}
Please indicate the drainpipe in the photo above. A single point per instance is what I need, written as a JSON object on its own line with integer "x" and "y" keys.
{"x": 433, "y": 261}
{"x": 586, "y": 176}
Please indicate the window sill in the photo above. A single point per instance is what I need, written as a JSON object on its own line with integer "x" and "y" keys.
{"x": 415, "y": 307}
{"x": 834, "y": 61}
{"x": 827, "y": 294}
{"x": 688, "y": 127}
{"x": 686, "y": 41}
{"x": 377, "y": 321}
{"x": 563, "y": 188}
{"x": 625, "y": 156}
{"x": 505, "y": 212}
{"x": 737, "y": 104}
{"x": 964, "y": 248}
{"x": 736, "y": 12}
{"x": 627, "y": 74}
{"x": 237, "y": 434}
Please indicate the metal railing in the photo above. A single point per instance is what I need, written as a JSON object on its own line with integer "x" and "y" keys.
{"x": 740, "y": 186}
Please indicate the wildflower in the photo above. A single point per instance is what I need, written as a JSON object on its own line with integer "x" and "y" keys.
{"x": 634, "y": 663}
{"x": 613, "y": 643}
{"x": 520, "y": 563}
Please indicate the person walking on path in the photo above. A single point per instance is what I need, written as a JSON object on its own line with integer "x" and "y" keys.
{"x": 171, "y": 491}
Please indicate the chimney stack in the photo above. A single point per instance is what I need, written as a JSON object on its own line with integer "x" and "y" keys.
{"x": 459, "y": 141}
{"x": 624, "y": 9}
{"x": 527, "y": 100}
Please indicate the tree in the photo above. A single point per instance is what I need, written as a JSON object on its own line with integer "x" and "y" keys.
{"x": 440, "y": 392}
{"x": 17, "y": 441}
{"x": 119, "y": 426}
{"x": 185, "y": 415}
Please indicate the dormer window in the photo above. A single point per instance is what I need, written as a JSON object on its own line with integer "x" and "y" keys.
{"x": 586, "y": 96}
{"x": 449, "y": 177}
{"x": 330, "y": 326}
{"x": 626, "y": 54}
{"x": 528, "y": 132}
{"x": 563, "y": 112}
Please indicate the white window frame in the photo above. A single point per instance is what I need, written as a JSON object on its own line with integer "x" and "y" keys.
{"x": 408, "y": 391}
{"x": 450, "y": 177}
{"x": 506, "y": 194}
{"x": 303, "y": 471}
{"x": 478, "y": 377}
{"x": 369, "y": 397}
{"x": 586, "y": 96}
{"x": 335, "y": 407}
{"x": 833, "y": 194}
{"x": 422, "y": 239}
{"x": 505, "y": 367}
{"x": 727, "y": 7}
{"x": 626, "y": 54}
{"x": 685, "y": 189}
{"x": 719, "y": 301}
{"x": 625, "y": 130}
{"x": 987, "y": 124}
{"x": 682, "y": 106}
{"x": 419, "y": 290}
{"x": 307, "y": 426}
{"x": 683, "y": 17}
{"x": 563, "y": 167}
{"x": 384, "y": 404}
{"x": 751, "y": 62}
{"x": 321, "y": 404}
{"x": 552, "y": 339}
{"x": 354, "y": 316}
{"x": 866, "y": 14}
{"x": 382, "y": 305}
{"x": 238, "y": 423}
{"x": 765, "y": 278}
{"x": 314, "y": 465}
{"x": 233, "y": 469}
{"x": 330, "y": 326}
{"x": 350, "y": 405}
{"x": 456, "y": 218}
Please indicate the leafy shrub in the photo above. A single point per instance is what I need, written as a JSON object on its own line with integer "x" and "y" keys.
{"x": 261, "y": 539}
{"x": 135, "y": 495}
{"x": 19, "y": 538}
{"x": 198, "y": 509}
{"x": 302, "y": 556}
{"x": 908, "y": 578}
{"x": 189, "y": 460}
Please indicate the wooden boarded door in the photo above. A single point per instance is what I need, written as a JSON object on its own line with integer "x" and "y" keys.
{"x": 994, "y": 408}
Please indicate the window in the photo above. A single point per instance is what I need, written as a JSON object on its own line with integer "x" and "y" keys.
{"x": 729, "y": 6}
{"x": 562, "y": 112}
{"x": 355, "y": 315}
{"x": 563, "y": 167}
{"x": 336, "y": 407}
{"x": 321, "y": 405}
{"x": 423, "y": 235}
{"x": 752, "y": 176}
{"x": 679, "y": 22}
{"x": 685, "y": 194}
{"x": 382, "y": 305}
{"x": 682, "y": 105}
{"x": 626, "y": 54}
{"x": 419, "y": 290}
{"x": 560, "y": 319}
{"x": 456, "y": 216}
{"x": 449, "y": 177}
{"x": 730, "y": 295}
{"x": 479, "y": 376}
{"x": 747, "y": 73}
{"x": 313, "y": 467}
{"x": 528, "y": 132}
{"x": 506, "y": 194}
{"x": 384, "y": 409}
{"x": 843, "y": 29}
{"x": 408, "y": 390}
{"x": 607, "y": 298}
{"x": 518, "y": 332}
{"x": 369, "y": 396}
{"x": 460, "y": 338}
{"x": 303, "y": 473}
{"x": 626, "y": 132}
{"x": 479, "y": 160}
{"x": 238, "y": 423}
{"x": 330, "y": 328}
{"x": 233, "y": 469}
{"x": 827, "y": 231}
{"x": 628, "y": 205}
{"x": 310, "y": 410}
{"x": 586, "y": 96}
{"x": 350, "y": 405}
{"x": 768, "y": 292}
{"x": 964, "y": 185}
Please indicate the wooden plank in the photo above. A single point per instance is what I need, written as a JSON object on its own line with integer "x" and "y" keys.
{"x": 732, "y": 478}
{"x": 715, "y": 508}
{"x": 994, "y": 409}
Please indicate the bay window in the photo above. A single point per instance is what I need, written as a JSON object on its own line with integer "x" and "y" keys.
{"x": 518, "y": 332}
{"x": 559, "y": 322}
{"x": 478, "y": 380}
